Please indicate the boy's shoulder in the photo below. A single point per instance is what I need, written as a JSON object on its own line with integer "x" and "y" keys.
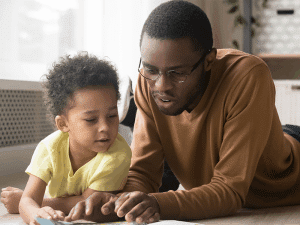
{"x": 55, "y": 140}
{"x": 120, "y": 145}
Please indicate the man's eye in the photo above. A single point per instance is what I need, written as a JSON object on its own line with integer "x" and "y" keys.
{"x": 150, "y": 71}
{"x": 112, "y": 116}
{"x": 90, "y": 120}
{"x": 176, "y": 73}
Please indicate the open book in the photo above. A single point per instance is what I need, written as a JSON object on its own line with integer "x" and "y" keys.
{"x": 163, "y": 222}
{"x": 42, "y": 221}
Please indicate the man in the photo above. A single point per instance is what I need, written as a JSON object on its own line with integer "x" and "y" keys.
{"x": 211, "y": 114}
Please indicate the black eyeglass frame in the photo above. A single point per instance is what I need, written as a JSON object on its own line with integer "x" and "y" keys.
{"x": 194, "y": 67}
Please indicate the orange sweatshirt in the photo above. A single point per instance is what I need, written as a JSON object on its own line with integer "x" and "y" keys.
{"x": 229, "y": 152}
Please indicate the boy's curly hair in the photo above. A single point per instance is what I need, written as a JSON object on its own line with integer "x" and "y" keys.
{"x": 72, "y": 73}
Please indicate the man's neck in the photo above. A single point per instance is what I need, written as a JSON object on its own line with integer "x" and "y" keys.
{"x": 204, "y": 81}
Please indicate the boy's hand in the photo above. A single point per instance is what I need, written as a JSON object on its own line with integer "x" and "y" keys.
{"x": 11, "y": 197}
{"x": 90, "y": 209}
{"x": 49, "y": 213}
{"x": 137, "y": 206}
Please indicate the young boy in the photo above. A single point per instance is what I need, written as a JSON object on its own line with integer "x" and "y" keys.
{"x": 86, "y": 154}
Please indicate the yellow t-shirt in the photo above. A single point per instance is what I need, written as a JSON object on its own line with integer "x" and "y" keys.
{"x": 105, "y": 172}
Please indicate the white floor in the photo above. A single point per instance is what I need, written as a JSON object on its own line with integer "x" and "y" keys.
{"x": 18, "y": 180}
{"x": 279, "y": 215}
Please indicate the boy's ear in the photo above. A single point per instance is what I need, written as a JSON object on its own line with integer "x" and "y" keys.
{"x": 61, "y": 123}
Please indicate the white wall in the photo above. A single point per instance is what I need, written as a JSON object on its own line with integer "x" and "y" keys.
{"x": 278, "y": 34}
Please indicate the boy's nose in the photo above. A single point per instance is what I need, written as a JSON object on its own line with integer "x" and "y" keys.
{"x": 103, "y": 126}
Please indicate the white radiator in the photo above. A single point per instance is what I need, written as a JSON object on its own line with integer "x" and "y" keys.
{"x": 23, "y": 116}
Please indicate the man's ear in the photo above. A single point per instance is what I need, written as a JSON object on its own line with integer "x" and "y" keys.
{"x": 61, "y": 123}
{"x": 210, "y": 58}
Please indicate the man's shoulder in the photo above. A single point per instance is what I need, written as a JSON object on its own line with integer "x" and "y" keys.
{"x": 234, "y": 56}
{"x": 235, "y": 64}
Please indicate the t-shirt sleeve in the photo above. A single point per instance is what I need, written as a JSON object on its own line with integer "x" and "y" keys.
{"x": 40, "y": 165}
{"x": 111, "y": 174}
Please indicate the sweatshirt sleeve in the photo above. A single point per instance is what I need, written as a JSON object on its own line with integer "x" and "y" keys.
{"x": 146, "y": 168}
{"x": 249, "y": 111}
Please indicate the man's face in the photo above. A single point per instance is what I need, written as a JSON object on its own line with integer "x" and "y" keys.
{"x": 172, "y": 98}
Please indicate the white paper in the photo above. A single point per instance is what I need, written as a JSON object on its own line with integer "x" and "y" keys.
{"x": 163, "y": 222}
{"x": 174, "y": 222}
{"x": 52, "y": 222}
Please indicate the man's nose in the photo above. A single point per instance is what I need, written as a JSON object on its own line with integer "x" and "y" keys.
{"x": 163, "y": 82}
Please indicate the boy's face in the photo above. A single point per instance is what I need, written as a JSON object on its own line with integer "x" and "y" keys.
{"x": 93, "y": 119}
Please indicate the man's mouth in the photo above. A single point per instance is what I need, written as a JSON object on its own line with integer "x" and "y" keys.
{"x": 165, "y": 100}
{"x": 103, "y": 140}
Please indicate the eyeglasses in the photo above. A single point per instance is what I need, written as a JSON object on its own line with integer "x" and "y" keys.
{"x": 177, "y": 76}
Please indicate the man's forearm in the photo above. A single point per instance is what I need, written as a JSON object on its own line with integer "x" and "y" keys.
{"x": 64, "y": 204}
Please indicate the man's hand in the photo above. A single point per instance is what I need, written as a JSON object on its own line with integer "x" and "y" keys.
{"x": 90, "y": 209}
{"x": 137, "y": 206}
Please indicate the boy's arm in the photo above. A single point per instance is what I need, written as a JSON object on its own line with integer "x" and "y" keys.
{"x": 65, "y": 204}
{"x": 32, "y": 198}
{"x": 90, "y": 209}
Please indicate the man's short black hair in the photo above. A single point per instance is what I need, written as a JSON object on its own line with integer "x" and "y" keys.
{"x": 179, "y": 19}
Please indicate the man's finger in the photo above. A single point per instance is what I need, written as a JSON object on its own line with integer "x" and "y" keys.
{"x": 109, "y": 207}
{"x": 145, "y": 216}
{"x": 68, "y": 218}
{"x": 138, "y": 211}
{"x": 121, "y": 200}
{"x": 90, "y": 203}
{"x": 128, "y": 205}
{"x": 79, "y": 211}
{"x": 60, "y": 215}
{"x": 154, "y": 218}
{"x": 95, "y": 200}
